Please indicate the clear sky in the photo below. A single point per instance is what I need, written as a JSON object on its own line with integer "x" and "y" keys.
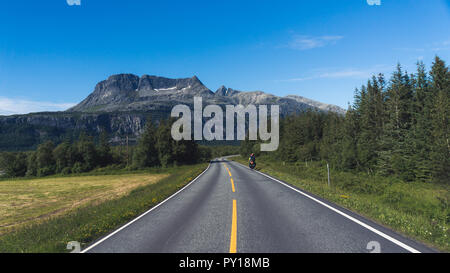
{"x": 52, "y": 54}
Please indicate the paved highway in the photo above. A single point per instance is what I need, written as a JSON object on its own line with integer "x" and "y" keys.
{"x": 230, "y": 208}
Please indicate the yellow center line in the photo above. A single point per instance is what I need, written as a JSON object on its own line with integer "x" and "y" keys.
{"x": 233, "y": 229}
{"x": 231, "y": 179}
{"x": 229, "y": 173}
{"x": 232, "y": 184}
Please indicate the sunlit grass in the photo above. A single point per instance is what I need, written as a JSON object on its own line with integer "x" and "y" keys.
{"x": 26, "y": 201}
{"x": 87, "y": 223}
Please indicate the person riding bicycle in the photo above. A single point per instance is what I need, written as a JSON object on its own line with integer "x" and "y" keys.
{"x": 252, "y": 158}
{"x": 252, "y": 161}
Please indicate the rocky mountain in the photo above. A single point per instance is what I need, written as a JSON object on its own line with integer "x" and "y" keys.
{"x": 317, "y": 104}
{"x": 122, "y": 104}
{"x": 128, "y": 92}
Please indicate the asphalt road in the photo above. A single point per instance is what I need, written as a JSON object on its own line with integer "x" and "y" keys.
{"x": 230, "y": 208}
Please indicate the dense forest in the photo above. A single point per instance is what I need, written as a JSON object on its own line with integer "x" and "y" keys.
{"x": 398, "y": 126}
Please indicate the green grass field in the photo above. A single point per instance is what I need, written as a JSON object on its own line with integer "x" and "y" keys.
{"x": 415, "y": 209}
{"x": 43, "y": 215}
{"x": 27, "y": 201}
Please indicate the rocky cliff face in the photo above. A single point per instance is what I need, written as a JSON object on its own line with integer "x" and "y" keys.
{"x": 122, "y": 104}
{"x": 24, "y": 132}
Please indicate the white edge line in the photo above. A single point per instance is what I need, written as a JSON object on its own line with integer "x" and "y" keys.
{"x": 143, "y": 214}
{"x": 385, "y": 236}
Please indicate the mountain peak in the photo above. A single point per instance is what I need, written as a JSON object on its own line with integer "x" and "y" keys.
{"x": 131, "y": 92}
{"x": 221, "y": 91}
{"x": 195, "y": 79}
{"x": 227, "y": 92}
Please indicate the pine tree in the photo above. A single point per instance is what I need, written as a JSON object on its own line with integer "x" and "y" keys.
{"x": 44, "y": 159}
{"x": 349, "y": 141}
{"x": 440, "y": 113}
{"x": 164, "y": 143}
{"x": 421, "y": 131}
{"x": 104, "y": 150}
{"x": 146, "y": 154}
{"x": 371, "y": 121}
{"x": 87, "y": 153}
{"x": 395, "y": 153}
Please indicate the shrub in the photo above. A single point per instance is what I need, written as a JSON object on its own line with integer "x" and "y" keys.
{"x": 77, "y": 168}
{"x": 66, "y": 170}
{"x": 45, "y": 171}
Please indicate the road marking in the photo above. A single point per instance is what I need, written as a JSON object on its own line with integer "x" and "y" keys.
{"x": 229, "y": 173}
{"x": 233, "y": 229}
{"x": 232, "y": 183}
{"x": 384, "y": 235}
{"x": 143, "y": 214}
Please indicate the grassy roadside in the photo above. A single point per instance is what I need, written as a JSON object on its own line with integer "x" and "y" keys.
{"x": 90, "y": 222}
{"x": 418, "y": 210}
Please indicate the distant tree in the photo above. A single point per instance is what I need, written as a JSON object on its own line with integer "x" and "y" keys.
{"x": 32, "y": 165}
{"x": 185, "y": 152}
{"x": 206, "y": 153}
{"x": 146, "y": 154}
{"x": 62, "y": 156}
{"x": 13, "y": 164}
{"x": 45, "y": 159}
{"x": 104, "y": 150}
{"x": 87, "y": 153}
{"x": 164, "y": 143}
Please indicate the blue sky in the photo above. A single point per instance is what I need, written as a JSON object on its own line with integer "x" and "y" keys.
{"x": 52, "y": 54}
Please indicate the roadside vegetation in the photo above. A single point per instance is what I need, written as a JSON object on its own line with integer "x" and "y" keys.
{"x": 94, "y": 219}
{"x": 417, "y": 209}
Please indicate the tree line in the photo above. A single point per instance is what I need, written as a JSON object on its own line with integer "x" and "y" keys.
{"x": 155, "y": 148}
{"x": 395, "y": 127}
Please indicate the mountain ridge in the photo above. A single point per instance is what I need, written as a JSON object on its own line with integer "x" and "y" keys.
{"x": 129, "y": 92}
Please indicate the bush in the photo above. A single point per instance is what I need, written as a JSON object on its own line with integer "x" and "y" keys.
{"x": 78, "y": 168}
{"x": 45, "y": 171}
{"x": 66, "y": 170}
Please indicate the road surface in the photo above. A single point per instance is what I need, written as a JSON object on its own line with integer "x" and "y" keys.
{"x": 230, "y": 208}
